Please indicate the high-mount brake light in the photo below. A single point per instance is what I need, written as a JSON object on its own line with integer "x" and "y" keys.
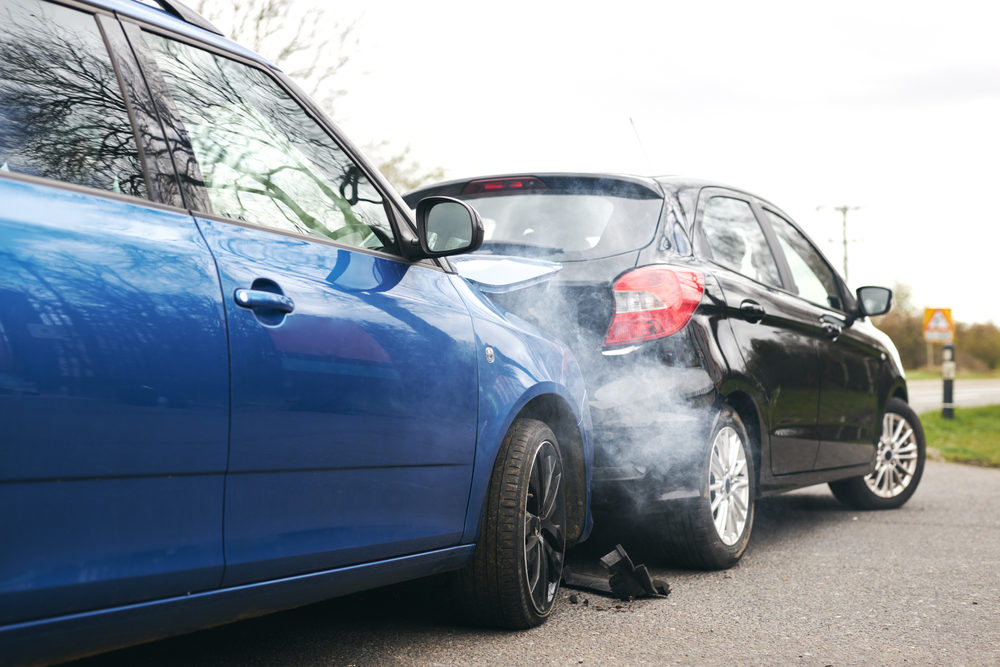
{"x": 519, "y": 184}
{"x": 653, "y": 302}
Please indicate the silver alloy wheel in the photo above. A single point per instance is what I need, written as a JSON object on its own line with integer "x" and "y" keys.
{"x": 729, "y": 485}
{"x": 544, "y": 526}
{"x": 896, "y": 458}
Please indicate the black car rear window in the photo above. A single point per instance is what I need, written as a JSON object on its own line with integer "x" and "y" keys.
{"x": 567, "y": 226}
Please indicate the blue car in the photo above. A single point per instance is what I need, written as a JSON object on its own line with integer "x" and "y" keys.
{"x": 235, "y": 375}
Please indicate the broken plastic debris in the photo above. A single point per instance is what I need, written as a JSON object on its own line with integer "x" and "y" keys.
{"x": 631, "y": 581}
{"x": 625, "y": 581}
{"x": 576, "y": 579}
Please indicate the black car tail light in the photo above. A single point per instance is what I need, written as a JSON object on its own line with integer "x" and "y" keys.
{"x": 653, "y": 302}
{"x": 519, "y": 184}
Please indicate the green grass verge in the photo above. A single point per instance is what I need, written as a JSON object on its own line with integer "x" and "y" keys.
{"x": 973, "y": 436}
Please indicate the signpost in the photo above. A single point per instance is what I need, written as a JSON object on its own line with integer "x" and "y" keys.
{"x": 938, "y": 326}
{"x": 939, "y": 329}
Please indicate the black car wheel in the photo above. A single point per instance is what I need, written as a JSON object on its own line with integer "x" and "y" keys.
{"x": 515, "y": 573}
{"x": 712, "y": 530}
{"x": 899, "y": 463}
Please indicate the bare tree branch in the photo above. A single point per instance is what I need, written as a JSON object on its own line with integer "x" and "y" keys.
{"x": 314, "y": 47}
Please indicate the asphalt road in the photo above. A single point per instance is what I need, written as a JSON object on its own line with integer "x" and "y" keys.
{"x": 927, "y": 395}
{"x": 819, "y": 585}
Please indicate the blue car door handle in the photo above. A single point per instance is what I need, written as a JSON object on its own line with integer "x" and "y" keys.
{"x": 255, "y": 298}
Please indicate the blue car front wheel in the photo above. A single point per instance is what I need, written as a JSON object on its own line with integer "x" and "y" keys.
{"x": 515, "y": 573}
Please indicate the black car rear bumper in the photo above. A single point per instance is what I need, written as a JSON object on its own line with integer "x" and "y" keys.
{"x": 651, "y": 425}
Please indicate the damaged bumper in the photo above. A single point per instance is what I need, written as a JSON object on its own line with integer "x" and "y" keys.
{"x": 622, "y": 579}
{"x": 648, "y": 443}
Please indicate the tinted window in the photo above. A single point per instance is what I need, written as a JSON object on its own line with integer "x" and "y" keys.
{"x": 737, "y": 241}
{"x": 814, "y": 279}
{"x": 568, "y": 225}
{"x": 264, "y": 160}
{"x": 62, "y": 113}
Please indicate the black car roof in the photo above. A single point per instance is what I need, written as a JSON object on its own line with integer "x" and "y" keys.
{"x": 684, "y": 188}
{"x": 454, "y": 187}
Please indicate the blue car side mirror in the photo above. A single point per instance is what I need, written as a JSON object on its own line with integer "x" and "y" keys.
{"x": 447, "y": 226}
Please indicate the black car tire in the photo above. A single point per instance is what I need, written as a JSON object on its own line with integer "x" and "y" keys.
{"x": 688, "y": 535}
{"x": 517, "y": 566}
{"x": 899, "y": 463}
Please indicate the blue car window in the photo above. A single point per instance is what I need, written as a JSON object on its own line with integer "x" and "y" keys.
{"x": 62, "y": 111}
{"x": 264, "y": 160}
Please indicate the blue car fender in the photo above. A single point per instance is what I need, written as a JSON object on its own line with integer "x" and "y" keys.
{"x": 524, "y": 372}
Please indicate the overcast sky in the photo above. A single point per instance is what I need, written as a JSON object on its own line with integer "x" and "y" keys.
{"x": 890, "y": 106}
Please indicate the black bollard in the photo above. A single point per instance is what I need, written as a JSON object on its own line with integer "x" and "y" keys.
{"x": 948, "y": 375}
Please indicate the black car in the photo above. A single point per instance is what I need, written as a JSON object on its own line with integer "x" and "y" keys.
{"x": 725, "y": 358}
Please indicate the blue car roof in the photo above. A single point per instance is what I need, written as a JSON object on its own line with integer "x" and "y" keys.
{"x": 162, "y": 18}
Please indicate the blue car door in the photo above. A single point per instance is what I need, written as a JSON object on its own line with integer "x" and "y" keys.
{"x": 113, "y": 360}
{"x": 353, "y": 371}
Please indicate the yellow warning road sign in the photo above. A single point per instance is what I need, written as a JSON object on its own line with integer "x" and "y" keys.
{"x": 938, "y": 326}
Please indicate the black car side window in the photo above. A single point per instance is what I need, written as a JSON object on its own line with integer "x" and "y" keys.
{"x": 736, "y": 240}
{"x": 62, "y": 111}
{"x": 813, "y": 277}
{"x": 264, "y": 160}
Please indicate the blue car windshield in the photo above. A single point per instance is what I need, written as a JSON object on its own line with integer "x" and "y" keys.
{"x": 566, "y": 226}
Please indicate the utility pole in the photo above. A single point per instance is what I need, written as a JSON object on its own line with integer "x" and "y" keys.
{"x": 843, "y": 215}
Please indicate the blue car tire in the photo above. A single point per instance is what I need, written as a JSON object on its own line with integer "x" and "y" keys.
{"x": 514, "y": 576}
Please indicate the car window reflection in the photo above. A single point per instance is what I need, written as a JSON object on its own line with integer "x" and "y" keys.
{"x": 62, "y": 112}
{"x": 737, "y": 241}
{"x": 263, "y": 159}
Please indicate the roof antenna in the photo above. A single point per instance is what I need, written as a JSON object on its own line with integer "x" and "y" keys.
{"x": 645, "y": 155}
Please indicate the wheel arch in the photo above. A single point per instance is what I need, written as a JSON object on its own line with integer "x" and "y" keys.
{"x": 555, "y": 412}
{"x": 745, "y": 407}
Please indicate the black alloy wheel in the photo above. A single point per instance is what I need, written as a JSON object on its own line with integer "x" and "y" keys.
{"x": 515, "y": 573}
